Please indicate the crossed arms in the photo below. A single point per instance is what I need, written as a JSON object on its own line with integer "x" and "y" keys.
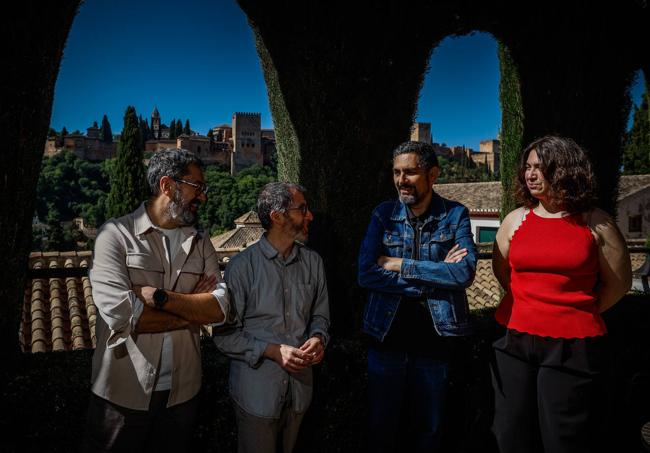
{"x": 117, "y": 300}
{"x": 408, "y": 277}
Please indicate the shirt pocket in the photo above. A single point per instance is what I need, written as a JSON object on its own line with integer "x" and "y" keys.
{"x": 190, "y": 273}
{"x": 440, "y": 242}
{"x": 393, "y": 243}
{"x": 303, "y": 299}
{"x": 144, "y": 269}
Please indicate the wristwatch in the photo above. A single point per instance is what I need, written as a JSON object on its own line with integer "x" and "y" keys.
{"x": 159, "y": 298}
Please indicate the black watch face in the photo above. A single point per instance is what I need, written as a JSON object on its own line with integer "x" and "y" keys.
{"x": 159, "y": 297}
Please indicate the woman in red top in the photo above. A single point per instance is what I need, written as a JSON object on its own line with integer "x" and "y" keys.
{"x": 562, "y": 262}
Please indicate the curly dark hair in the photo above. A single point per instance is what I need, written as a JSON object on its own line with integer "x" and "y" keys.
{"x": 567, "y": 169}
{"x": 426, "y": 153}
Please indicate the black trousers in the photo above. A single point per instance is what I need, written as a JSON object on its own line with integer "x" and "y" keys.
{"x": 549, "y": 394}
{"x": 113, "y": 428}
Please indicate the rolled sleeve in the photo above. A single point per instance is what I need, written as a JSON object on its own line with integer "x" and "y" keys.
{"x": 116, "y": 303}
{"x": 221, "y": 294}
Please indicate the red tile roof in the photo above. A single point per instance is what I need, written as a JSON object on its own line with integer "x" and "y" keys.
{"x": 58, "y": 313}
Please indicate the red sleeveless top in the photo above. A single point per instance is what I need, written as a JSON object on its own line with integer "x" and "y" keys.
{"x": 554, "y": 271}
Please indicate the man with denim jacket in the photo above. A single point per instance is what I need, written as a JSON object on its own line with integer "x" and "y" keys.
{"x": 417, "y": 258}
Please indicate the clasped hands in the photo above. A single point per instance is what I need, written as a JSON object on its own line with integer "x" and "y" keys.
{"x": 293, "y": 359}
{"x": 455, "y": 255}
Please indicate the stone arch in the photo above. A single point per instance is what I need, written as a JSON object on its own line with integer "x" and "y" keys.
{"x": 343, "y": 83}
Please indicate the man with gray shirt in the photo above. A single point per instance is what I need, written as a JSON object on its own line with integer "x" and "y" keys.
{"x": 154, "y": 280}
{"x": 278, "y": 289}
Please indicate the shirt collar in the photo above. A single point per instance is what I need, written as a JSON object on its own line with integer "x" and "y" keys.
{"x": 436, "y": 211}
{"x": 270, "y": 252}
{"x": 143, "y": 223}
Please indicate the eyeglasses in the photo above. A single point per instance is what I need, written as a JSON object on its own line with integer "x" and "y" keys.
{"x": 303, "y": 208}
{"x": 198, "y": 187}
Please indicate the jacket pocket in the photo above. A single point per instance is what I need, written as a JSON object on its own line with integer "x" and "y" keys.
{"x": 440, "y": 243}
{"x": 393, "y": 243}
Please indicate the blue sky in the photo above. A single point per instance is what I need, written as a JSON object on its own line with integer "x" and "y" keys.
{"x": 197, "y": 60}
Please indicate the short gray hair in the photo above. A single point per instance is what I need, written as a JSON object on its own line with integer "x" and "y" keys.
{"x": 275, "y": 196}
{"x": 172, "y": 162}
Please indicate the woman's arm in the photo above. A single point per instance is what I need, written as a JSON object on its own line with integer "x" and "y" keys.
{"x": 501, "y": 247}
{"x": 614, "y": 260}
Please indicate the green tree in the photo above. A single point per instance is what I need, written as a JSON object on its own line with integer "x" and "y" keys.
{"x": 51, "y": 133}
{"x": 636, "y": 152}
{"x": 74, "y": 187}
{"x": 186, "y": 129}
{"x": 105, "y": 132}
{"x": 142, "y": 125}
{"x": 179, "y": 128}
{"x": 128, "y": 184}
{"x": 172, "y": 129}
{"x": 231, "y": 196}
{"x": 64, "y": 132}
{"x": 55, "y": 236}
{"x": 95, "y": 124}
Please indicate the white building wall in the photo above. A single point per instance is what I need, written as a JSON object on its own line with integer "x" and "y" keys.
{"x": 478, "y": 222}
{"x": 636, "y": 204}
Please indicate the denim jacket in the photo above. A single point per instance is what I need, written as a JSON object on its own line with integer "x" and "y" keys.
{"x": 443, "y": 284}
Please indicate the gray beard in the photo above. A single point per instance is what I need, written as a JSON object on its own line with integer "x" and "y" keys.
{"x": 180, "y": 213}
{"x": 408, "y": 200}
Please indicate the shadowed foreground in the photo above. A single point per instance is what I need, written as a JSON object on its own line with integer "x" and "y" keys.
{"x": 45, "y": 403}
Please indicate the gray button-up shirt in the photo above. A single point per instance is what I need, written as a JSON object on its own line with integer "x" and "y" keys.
{"x": 277, "y": 301}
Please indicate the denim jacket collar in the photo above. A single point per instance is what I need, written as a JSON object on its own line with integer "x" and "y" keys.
{"x": 436, "y": 211}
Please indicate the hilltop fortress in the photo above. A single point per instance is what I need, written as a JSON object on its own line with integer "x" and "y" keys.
{"x": 242, "y": 144}
{"x": 239, "y": 146}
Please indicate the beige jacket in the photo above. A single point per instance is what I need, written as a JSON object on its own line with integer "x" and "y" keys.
{"x": 128, "y": 252}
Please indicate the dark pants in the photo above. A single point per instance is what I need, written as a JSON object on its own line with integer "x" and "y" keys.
{"x": 548, "y": 394}
{"x": 405, "y": 391}
{"x": 112, "y": 428}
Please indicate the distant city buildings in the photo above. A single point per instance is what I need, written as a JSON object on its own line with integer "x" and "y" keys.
{"x": 489, "y": 152}
{"x": 243, "y": 144}
{"x": 237, "y": 147}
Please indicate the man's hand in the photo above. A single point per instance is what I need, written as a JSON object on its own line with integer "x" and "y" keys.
{"x": 145, "y": 294}
{"x": 455, "y": 255}
{"x": 289, "y": 358}
{"x": 206, "y": 284}
{"x": 314, "y": 347}
{"x": 390, "y": 263}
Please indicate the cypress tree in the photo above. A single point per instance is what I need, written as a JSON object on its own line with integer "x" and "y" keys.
{"x": 172, "y": 129}
{"x": 186, "y": 129}
{"x": 64, "y": 132}
{"x": 179, "y": 128}
{"x": 128, "y": 183}
{"x": 95, "y": 124}
{"x": 636, "y": 153}
{"x": 143, "y": 131}
{"x": 105, "y": 132}
{"x": 512, "y": 127}
{"x": 55, "y": 236}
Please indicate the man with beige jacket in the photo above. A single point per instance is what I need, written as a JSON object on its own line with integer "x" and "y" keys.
{"x": 154, "y": 280}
